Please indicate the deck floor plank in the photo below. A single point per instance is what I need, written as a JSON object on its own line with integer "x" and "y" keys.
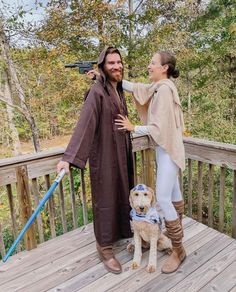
{"x": 210, "y": 269}
{"x": 142, "y": 281}
{"x": 233, "y": 289}
{"x": 225, "y": 281}
{"x": 24, "y": 258}
{"x": 41, "y": 256}
{"x": 70, "y": 263}
{"x": 97, "y": 272}
{"x": 193, "y": 262}
{"x": 109, "y": 280}
{"x": 49, "y": 276}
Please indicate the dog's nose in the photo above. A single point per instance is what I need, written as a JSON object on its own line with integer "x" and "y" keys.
{"x": 141, "y": 209}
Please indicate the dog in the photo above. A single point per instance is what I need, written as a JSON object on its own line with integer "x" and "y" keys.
{"x": 146, "y": 225}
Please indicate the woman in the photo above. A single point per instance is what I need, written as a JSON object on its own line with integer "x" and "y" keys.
{"x": 159, "y": 109}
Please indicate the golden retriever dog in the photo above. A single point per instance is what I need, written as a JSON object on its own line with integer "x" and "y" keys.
{"x": 146, "y": 225}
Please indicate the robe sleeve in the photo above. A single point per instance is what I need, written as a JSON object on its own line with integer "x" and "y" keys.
{"x": 161, "y": 120}
{"x": 141, "y": 93}
{"x": 78, "y": 149}
{"x": 127, "y": 85}
{"x": 141, "y": 130}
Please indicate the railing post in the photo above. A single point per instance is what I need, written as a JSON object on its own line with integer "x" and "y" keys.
{"x": 234, "y": 206}
{"x": 83, "y": 198}
{"x": 72, "y": 196}
{"x": 25, "y": 205}
{"x": 2, "y": 246}
{"x": 190, "y": 188}
{"x": 51, "y": 209}
{"x": 210, "y": 195}
{"x": 150, "y": 160}
{"x": 222, "y": 199}
{"x": 200, "y": 191}
{"x": 35, "y": 191}
{"x": 13, "y": 213}
{"x": 135, "y": 168}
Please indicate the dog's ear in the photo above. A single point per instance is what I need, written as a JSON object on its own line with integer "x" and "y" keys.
{"x": 130, "y": 198}
{"x": 153, "y": 201}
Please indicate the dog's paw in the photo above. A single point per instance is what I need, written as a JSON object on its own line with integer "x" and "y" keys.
{"x": 130, "y": 247}
{"x": 151, "y": 269}
{"x": 134, "y": 265}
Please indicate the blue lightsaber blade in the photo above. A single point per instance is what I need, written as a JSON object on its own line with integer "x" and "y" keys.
{"x": 34, "y": 215}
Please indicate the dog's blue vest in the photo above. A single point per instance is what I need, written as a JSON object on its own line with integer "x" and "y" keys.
{"x": 152, "y": 216}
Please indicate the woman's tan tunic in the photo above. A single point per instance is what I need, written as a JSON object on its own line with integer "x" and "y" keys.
{"x": 159, "y": 108}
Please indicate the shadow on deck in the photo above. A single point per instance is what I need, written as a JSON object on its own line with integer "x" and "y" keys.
{"x": 70, "y": 263}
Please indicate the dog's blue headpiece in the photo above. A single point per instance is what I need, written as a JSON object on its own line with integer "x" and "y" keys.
{"x": 141, "y": 187}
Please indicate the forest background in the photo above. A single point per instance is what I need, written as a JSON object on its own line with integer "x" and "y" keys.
{"x": 40, "y": 98}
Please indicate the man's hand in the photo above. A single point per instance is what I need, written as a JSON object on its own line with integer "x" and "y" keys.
{"x": 93, "y": 74}
{"x": 124, "y": 123}
{"x": 63, "y": 164}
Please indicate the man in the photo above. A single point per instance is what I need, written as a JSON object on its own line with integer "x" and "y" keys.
{"x": 110, "y": 156}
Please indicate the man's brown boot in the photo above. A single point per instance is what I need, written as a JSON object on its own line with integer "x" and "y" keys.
{"x": 178, "y": 255}
{"x": 106, "y": 255}
{"x": 179, "y": 207}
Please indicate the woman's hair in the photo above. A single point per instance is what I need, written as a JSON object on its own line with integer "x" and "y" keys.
{"x": 168, "y": 59}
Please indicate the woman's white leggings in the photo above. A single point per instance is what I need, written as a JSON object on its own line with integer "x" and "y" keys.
{"x": 167, "y": 184}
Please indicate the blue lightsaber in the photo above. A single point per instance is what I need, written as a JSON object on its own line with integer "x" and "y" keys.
{"x": 34, "y": 215}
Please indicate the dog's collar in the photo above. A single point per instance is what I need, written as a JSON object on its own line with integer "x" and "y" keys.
{"x": 152, "y": 216}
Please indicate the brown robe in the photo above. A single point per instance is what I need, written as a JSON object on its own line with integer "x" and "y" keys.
{"x": 110, "y": 158}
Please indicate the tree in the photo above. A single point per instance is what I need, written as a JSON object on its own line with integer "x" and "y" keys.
{"x": 13, "y": 87}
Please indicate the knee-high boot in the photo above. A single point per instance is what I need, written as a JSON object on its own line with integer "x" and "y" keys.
{"x": 179, "y": 207}
{"x": 175, "y": 232}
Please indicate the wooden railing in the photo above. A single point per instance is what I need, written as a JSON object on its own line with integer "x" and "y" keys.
{"x": 208, "y": 184}
{"x": 210, "y": 189}
{"x": 23, "y": 182}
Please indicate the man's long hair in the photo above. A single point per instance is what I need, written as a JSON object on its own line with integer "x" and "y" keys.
{"x": 111, "y": 50}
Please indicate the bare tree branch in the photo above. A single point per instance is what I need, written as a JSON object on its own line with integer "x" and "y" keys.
{"x": 2, "y": 98}
{"x": 140, "y": 3}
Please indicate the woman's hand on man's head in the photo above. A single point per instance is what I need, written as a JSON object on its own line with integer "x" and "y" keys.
{"x": 93, "y": 74}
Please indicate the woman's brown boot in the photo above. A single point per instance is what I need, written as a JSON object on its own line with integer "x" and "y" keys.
{"x": 106, "y": 255}
{"x": 179, "y": 207}
{"x": 178, "y": 255}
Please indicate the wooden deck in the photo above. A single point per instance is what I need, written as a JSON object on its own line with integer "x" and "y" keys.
{"x": 70, "y": 263}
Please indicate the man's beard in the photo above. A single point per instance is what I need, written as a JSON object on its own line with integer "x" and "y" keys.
{"x": 115, "y": 76}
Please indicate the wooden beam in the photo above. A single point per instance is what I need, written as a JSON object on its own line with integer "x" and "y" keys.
{"x": 2, "y": 246}
{"x": 234, "y": 206}
{"x": 25, "y": 205}
{"x": 215, "y": 153}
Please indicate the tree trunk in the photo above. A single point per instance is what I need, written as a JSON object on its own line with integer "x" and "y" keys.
{"x": 130, "y": 49}
{"x": 100, "y": 32}
{"x": 13, "y": 79}
{"x": 14, "y": 133}
{"x": 189, "y": 100}
{"x": 9, "y": 110}
{"x": 35, "y": 134}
